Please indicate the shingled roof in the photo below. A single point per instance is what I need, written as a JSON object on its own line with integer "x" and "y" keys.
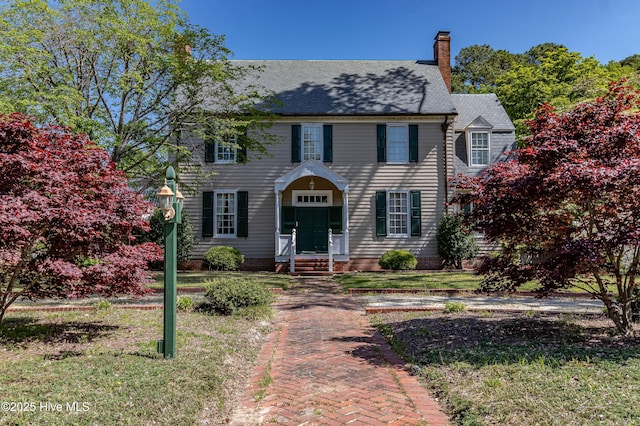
{"x": 353, "y": 87}
{"x": 487, "y": 106}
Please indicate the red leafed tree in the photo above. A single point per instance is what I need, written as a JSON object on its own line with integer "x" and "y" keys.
{"x": 566, "y": 207}
{"x": 67, "y": 218}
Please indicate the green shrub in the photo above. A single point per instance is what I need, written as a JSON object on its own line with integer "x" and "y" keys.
{"x": 103, "y": 305}
{"x": 156, "y": 235}
{"x": 455, "y": 243}
{"x": 224, "y": 258}
{"x": 228, "y": 295}
{"x": 398, "y": 260}
{"x": 184, "y": 303}
{"x": 450, "y": 307}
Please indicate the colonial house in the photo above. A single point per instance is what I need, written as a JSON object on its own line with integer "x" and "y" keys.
{"x": 365, "y": 152}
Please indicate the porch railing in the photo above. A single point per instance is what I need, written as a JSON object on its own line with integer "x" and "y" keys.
{"x": 292, "y": 251}
{"x": 330, "y": 248}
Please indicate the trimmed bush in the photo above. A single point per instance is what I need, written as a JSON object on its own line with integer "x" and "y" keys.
{"x": 398, "y": 260}
{"x": 224, "y": 258}
{"x": 228, "y": 295}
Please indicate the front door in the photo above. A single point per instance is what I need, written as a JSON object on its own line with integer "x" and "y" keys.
{"x": 312, "y": 230}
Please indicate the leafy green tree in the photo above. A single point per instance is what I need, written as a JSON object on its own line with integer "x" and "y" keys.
{"x": 632, "y": 61}
{"x": 477, "y": 67}
{"x": 455, "y": 243}
{"x": 548, "y": 72}
{"x": 131, "y": 74}
{"x": 155, "y": 234}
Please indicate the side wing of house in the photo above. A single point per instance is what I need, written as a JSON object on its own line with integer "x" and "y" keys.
{"x": 483, "y": 132}
{"x": 483, "y": 135}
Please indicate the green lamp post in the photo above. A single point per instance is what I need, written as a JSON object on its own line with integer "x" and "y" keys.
{"x": 170, "y": 200}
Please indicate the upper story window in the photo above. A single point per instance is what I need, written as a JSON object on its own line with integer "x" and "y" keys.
{"x": 397, "y": 143}
{"x": 479, "y": 149}
{"x": 312, "y": 142}
{"x": 226, "y": 153}
{"x": 221, "y": 152}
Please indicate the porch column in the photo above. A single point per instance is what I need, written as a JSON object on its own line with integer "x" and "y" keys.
{"x": 345, "y": 217}
{"x": 278, "y": 204}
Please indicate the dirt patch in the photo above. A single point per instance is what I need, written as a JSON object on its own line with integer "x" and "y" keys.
{"x": 421, "y": 333}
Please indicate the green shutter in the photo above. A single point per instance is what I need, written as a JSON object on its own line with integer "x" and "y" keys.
{"x": 243, "y": 141}
{"x": 382, "y": 142}
{"x": 335, "y": 219}
{"x": 243, "y": 214}
{"x": 413, "y": 143}
{"x": 381, "y": 213}
{"x": 296, "y": 140}
{"x": 327, "y": 131}
{"x": 209, "y": 152}
{"x": 416, "y": 214}
{"x": 288, "y": 219}
{"x": 207, "y": 214}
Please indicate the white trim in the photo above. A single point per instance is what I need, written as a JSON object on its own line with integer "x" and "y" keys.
{"x": 310, "y": 168}
{"x": 215, "y": 213}
{"x": 408, "y": 214}
{"x": 406, "y": 143}
{"x": 322, "y": 194}
{"x": 376, "y": 119}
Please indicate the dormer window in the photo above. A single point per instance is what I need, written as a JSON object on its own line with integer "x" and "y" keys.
{"x": 479, "y": 148}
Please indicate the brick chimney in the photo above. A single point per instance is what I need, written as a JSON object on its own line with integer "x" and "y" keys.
{"x": 442, "y": 56}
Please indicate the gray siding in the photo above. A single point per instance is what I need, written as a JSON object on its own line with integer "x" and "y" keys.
{"x": 354, "y": 158}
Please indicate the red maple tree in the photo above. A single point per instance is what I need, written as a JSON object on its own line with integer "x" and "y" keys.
{"x": 67, "y": 218}
{"x": 566, "y": 206}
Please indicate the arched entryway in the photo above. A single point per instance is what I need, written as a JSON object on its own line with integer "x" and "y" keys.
{"x": 312, "y": 200}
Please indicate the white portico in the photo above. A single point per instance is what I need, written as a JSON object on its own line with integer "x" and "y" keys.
{"x": 312, "y": 210}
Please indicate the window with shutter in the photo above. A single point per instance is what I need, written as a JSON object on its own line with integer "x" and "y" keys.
{"x": 398, "y": 213}
{"x": 207, "y": 214}
{"x": 381, "y": 213}
{"x": 243, "y": 214}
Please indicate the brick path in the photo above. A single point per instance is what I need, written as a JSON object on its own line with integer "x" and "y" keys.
{"x": 328, "y": 366}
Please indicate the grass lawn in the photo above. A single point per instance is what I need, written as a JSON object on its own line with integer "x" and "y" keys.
{"x": 410, "y": 279}
{"x": 198, "y": 278}
{"x": 521, "y": 369}
{"x": 102, "y": 367}
{"x": 459, "y": 280}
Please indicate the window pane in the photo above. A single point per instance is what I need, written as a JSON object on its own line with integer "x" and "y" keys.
{"x": 311, "y": 143}
{"x": 398, "y": 213}
{"x": 225, "y": 213}
{"x": 479, "y": 148}
{"x": 226, "y": 152}
{"x": 397, "y": 144}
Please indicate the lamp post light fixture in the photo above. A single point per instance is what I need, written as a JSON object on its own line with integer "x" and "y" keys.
{"x": 170, "y": 200}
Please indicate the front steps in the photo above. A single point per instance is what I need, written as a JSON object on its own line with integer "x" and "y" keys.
{"x": 305, "y": 266}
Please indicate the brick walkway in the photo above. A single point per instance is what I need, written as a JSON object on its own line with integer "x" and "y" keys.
{"x": 325, "y": 365}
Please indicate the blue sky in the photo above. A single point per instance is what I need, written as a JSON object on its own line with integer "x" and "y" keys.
{"x": 404, "y": 29}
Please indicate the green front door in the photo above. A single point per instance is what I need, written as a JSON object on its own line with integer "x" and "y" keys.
{"x": 313, "y": 229}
